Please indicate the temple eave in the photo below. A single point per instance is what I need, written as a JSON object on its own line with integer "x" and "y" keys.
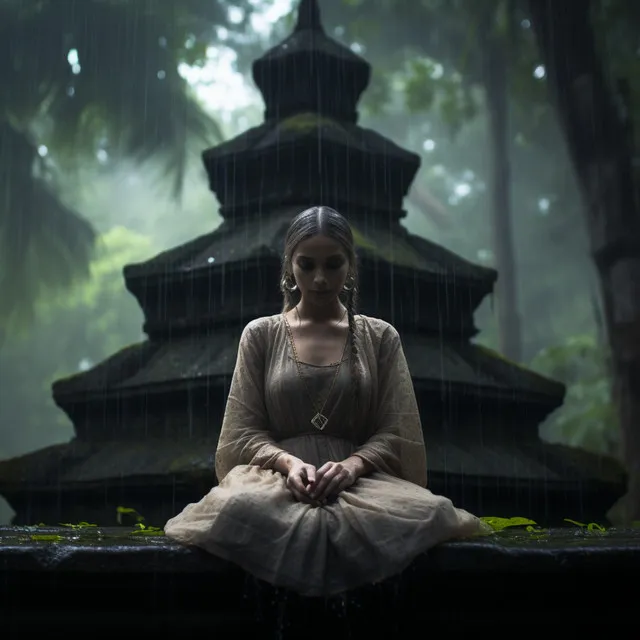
{"x": 197, "y": 266}
{"x": 120, "y": 464}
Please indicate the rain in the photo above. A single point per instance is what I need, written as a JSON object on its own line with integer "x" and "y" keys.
{"x": 152, "y": 158}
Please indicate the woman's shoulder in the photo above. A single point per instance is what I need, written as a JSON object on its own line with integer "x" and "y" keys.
{"x": 377, "y": 328}
{"x": 262, "y": 326}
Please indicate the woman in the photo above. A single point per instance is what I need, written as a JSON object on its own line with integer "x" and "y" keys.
{"x": 321, "y": 461}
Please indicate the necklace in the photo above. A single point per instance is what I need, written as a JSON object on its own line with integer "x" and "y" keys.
{"x": 319, "y": 420}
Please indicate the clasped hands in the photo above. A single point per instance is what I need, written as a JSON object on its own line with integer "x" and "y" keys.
{"x": 315, "y": 486}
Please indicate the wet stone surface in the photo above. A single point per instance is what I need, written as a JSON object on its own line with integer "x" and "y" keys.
{"x": 125, "y": 549}
{"x": 571, "y": 580}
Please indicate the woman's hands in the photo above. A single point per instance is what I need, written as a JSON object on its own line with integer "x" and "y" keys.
{"x": 314, "y": 486}
{"x": 300, "y": 476}
{"x": 330, "y": 479}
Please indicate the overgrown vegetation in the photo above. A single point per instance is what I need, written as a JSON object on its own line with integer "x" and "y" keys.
{"x": 523, "y": 525}
{"x": 425, "y": 95}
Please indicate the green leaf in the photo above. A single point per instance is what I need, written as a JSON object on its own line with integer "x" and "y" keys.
{"x": 503, "y": 523}
{"x": 420, "y": 88}
{"x": 128, "y": 511}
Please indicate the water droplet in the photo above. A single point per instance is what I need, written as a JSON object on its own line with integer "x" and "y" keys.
{"x": 463, "y": 189}
{"x": 539, "y": 72}
{"x": 72, "y": 57}
{"x": 543, "y": 206}
{"x": 235, "y": 15}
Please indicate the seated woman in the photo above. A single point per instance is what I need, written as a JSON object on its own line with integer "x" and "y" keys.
{"x": 321, "y": 461}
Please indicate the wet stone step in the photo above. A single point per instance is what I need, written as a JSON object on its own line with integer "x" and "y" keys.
{"x": 115, "y": 580}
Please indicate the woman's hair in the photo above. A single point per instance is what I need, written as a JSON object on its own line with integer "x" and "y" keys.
{"x": 327, "y": 222}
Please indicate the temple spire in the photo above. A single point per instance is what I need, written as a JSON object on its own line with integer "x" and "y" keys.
{"x": 309, "y": 72}
{"x": 309, "y": 16}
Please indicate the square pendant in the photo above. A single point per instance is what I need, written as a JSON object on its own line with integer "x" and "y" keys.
{"x": 319, "y": 421}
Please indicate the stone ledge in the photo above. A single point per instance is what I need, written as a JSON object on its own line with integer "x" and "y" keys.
{"x": 561, "y": 580}
{"x": 121, "y": 550}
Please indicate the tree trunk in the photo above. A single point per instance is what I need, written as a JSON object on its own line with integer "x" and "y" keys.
{"x": 598, "y": 138}
{"x": 494, "y": 72}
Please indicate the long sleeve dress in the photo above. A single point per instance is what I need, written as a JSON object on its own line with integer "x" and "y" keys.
{"x": 370, "y": 531}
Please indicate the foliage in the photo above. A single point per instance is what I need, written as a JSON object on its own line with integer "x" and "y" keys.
{"x": 88, "y": 80}
{"x": 428, "y": 87}
{"x": 588, "y": 418}
{"x": 427, "y": 94}
{"x": 44, "y": 244}
{"x": 499, "y": 526}
{"x": 73, "y": 331}
{"x": 532, "y": 527}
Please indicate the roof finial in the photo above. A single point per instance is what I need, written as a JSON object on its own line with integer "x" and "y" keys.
{"x": 309, "y": 16}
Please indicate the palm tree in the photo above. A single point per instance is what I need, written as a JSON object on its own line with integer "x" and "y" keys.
{"x": 80, "y": 78}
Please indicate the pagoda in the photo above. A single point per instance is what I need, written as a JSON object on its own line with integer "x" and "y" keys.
{"x": 147, "y": 419}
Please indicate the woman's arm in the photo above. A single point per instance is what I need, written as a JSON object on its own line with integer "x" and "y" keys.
{"x": 358, "y": 466}
{"x": 396, "y": 445}
{"x": 244, "y": 436}
{"x": 284, "y": 462}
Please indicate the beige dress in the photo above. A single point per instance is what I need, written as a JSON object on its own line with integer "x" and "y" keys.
{"x": 370, "y": 531}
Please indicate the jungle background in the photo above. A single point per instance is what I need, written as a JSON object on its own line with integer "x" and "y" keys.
{"x": 105, "y": 106}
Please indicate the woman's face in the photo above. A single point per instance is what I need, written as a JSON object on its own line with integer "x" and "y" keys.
{"x": 320, "y": 268}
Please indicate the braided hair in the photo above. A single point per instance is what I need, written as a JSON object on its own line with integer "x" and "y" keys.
{"x": 328, "y": 222}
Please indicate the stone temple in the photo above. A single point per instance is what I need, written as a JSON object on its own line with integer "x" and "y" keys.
{"x": 147, "y": 418}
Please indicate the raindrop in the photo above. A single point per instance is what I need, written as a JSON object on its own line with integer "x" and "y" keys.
{"x": 543, "y": 206}
{"x": 485, "y": 255}
{"x": 211, "y": 260}
{"x": 428, "y": 145}
{"x": 76, "y": 69}
{"x": 437, "y": 71}
{"x": 338, "y": 31}
{"x": 468, "y": 175}
{"x": 223, "y": 33}
{"x": 526, "y": 24}
{"x": 162, "y": 41}
{"x": 539, "y": 72}
{"x": 72, "y": 57}
{"x": 190, "y": 42}
{"x": 102, "y": 156}
{"x": 71, "y": 92}
{"x": 42, "y": 151}
{"x": 162, "y": 74}
{"x": 462, "y": 189}
{"x": 235, "y": 15}
{"x": 356, "y": 47}
{"x": 85, "y": 364}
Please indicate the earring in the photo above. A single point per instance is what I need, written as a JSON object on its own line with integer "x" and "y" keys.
{"x": 353, "y": 283}
{"x": 286, "y": 284}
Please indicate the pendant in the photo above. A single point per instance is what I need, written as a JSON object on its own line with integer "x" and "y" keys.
{"x": 319, "y": 421}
